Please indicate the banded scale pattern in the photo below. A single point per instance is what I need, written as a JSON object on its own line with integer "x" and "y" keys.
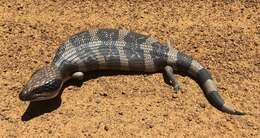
{"x": 112, "y": 49}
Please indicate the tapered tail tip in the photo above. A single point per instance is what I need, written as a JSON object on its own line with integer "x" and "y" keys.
{"x": 239, "y": 113}
{"x": 231, "y": 110}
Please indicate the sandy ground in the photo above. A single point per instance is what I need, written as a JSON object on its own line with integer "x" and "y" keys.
{"x": 223, "y": 36}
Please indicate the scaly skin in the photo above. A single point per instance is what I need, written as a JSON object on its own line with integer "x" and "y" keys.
{"x": 111, "y": 49}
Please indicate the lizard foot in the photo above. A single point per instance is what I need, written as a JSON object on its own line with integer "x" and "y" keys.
{"x": 170, "y": 78}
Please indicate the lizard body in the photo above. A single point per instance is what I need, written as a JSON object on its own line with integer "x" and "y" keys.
{"x": 112, "y": 49}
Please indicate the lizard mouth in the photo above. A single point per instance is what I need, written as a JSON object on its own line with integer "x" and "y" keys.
{"x": 36, "y": 97}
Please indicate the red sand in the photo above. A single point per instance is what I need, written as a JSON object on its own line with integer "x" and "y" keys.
{"x": 225, "y": 37}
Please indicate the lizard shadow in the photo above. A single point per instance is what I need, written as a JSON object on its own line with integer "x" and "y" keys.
{"x": 39, "y": 108}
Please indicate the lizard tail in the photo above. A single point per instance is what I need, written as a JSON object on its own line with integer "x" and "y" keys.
{"x": 188, "y": 66}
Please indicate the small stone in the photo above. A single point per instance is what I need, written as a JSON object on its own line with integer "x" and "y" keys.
{"x": 189, "y": 118}
{"x": 149, "y": 125}
{"x": 98, "y": 101}
{"x": 165, "y": 115}
{"x": 106, "y": 128}
{"x": 103, "y": 94}
{"x": 202, "y": 105}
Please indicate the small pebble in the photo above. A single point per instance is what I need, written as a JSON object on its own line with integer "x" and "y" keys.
{"x": 98, "y": 101}
{"x": 106, "y": 128}
{"x": 202, "y": 105}
{"x": 103, "y": 94}
{"x": 120, "y": 113}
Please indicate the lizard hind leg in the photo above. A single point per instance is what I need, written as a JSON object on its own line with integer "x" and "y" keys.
{"x": 170, "y": 78}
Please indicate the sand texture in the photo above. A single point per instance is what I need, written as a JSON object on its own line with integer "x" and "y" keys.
{"x": 223, "y": 36}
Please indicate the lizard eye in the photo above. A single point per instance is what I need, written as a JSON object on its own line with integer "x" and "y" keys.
{"x": 50, "y": 86}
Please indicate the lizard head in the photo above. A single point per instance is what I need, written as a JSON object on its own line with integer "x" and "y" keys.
{"x": 45, "y": 83}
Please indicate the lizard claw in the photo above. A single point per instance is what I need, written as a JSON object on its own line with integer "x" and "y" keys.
{"x": 176, "y": 87}
{"x": 170, "y": 78}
